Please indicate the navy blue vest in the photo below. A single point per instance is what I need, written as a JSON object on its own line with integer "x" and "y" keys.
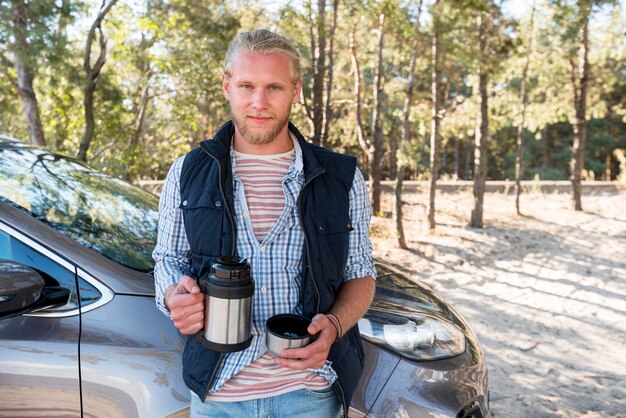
{"x": 207, "y": 202}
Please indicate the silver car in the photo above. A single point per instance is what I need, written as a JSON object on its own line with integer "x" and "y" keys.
{"x": 80, "y": 333}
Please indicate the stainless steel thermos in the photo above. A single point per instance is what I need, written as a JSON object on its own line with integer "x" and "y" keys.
{"x": 228, "y": 290}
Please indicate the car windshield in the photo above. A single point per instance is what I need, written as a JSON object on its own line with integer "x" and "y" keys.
{"x": 106, "y": 214}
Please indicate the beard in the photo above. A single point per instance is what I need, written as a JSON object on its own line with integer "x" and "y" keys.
{"x": 264, "y": 137}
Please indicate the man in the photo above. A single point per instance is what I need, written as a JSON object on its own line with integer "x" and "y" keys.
{"x": 299, "y": 214}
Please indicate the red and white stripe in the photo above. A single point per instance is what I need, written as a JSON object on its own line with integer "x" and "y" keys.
{"x": 262, "y": 178}
{"x": 264, "y": 378}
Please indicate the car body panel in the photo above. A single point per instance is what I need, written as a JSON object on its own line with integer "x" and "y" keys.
{"x": 39, "y": 367}
{"x": 377, "y": 369}
{"x": 426, "y": 392}
{"x": 130, "y": 360}
{"x": 127, "y": 368}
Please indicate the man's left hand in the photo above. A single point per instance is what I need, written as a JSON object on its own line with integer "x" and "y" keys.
{"x": 314, "y": 355}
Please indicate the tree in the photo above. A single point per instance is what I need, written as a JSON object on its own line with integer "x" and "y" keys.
{"x": 482, "y": 128}
{"x": 321, "y": 63}
{"x": 92, "y": 73}
{"x": 29, "y": 42}
{"x": 25, "y": 74}
{"x": 520, "y": 128}
{"x": 580, "y": 84}
{"x": 372, "y": 146}
{"x": 377, "y": 131}
{"x": 435, "y": 116}
{"x": 317, "y": 88}
{"x": 406, "y": 134}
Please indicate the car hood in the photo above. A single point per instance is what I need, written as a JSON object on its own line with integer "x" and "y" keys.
{"x": 397, "y": 293}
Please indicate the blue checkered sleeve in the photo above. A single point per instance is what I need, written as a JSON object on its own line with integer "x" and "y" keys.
{"x": 360, "y": 262}
{"x": 172, "y": 251}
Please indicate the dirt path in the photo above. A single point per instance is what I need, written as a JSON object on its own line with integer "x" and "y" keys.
{"x": 545, "y": 293}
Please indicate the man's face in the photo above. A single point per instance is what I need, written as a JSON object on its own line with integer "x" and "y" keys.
{"x": 260, "y": 92}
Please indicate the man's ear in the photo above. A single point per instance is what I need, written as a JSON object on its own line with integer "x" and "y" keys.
{"x": 297, "y": 90}
{"x": 226, "y": 86}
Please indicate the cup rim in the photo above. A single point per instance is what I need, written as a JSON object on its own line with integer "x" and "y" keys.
{"x": 291, "y": 316}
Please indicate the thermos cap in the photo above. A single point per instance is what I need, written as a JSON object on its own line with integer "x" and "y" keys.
{"x": 228, "y": 278}
{"x": 230, "y": 267}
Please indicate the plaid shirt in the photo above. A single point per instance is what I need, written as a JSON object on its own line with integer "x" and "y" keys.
{"x": 276, "y": 263}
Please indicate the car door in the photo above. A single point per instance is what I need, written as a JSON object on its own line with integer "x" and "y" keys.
{"x": 39, "y": 358}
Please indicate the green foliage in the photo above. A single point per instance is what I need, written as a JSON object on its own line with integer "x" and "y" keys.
{"x": 160, "y": 92}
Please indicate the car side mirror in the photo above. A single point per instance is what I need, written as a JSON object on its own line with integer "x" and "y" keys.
{"x": 23, "y": 290}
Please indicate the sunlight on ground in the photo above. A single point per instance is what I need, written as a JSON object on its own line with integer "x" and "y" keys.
{"x": 545, "y": 293}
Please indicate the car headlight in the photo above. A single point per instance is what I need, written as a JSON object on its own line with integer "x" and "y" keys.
{"x": 420, "y": 337}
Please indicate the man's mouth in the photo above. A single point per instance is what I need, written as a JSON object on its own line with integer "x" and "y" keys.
{"x": 259, "y": 118}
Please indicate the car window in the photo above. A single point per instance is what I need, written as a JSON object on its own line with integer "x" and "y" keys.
{"x": 52, "y": 272}
{"x": 5, "y": 246}
{"x": 87, "y": 292}
{"x": 106, "y": 214}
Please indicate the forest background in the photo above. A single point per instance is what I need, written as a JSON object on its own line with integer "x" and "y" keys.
{"x": 418, "y": 86}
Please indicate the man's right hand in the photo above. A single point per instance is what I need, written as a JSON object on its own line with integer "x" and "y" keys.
{"x": 186, "y": 305}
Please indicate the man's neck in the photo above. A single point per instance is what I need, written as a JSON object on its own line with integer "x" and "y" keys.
{"x": 281, "y": 144}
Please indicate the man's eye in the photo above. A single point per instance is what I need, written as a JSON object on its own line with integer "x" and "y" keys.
{"x": 275, "y": 88}
{"x": 246, "y": 86}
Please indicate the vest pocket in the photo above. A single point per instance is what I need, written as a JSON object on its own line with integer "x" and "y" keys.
{"x": 201, "y": 198}
{"x": 334, "y": 222}
{"x": 333, "y": 228}
{"x": 204, "y": 216}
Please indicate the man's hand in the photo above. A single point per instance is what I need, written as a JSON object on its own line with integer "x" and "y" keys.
{"x": 186, "y": 305}
{"x": 315, "y": 354}
{"x": 351, "y": 303}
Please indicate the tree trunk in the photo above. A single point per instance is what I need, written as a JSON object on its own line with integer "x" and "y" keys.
{"x": 444, "y": 158}
{"x": 469, "y": 151}
{"x": 607, "y": 166}
{"x": 434, "y": 122}
{"x": 519, "y": 158}
{"x": 544, "y": 148}
{"x": 92, "y": 74}
{"x": 360, "y": 130}
{"x": 377, "y": 125}
{"x": 134, "y": 141}
{"x": 406, "y": 133}
{"x": 25, "y": 76}
{"x": 457, "y": 158}
{"x": 580, "y": 81}
{"x": 482, "y": 131}
{"x": 393, "y": 152}
{"x": 328, "y": 110}
{"x": 318, "y": 54}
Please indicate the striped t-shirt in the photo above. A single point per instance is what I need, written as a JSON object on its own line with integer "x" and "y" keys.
{"x": 262, "y": 179}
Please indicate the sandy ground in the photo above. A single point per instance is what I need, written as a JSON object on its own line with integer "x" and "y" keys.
{"x": 545, "y": 293}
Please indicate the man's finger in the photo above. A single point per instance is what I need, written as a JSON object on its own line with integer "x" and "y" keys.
{"x": 192, "y": 328}
{"x": 187, "y": 285}
{"x": 184, "y": 310}
{"x": 183, "y": 300}
{"x": 318, "y": 323}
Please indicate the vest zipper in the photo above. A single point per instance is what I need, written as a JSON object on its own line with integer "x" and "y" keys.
{"x": 306, "y": 239}
{"x": 232, "y": 252}
{"x": 317, "y": 292}
{"x": 230, "y": 216}
{"x": 212, "y": 378}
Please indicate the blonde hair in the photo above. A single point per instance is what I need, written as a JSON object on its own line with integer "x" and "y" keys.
{"x": 263, "y": 42}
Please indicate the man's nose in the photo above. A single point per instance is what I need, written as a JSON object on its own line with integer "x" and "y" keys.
{"x": 259, "y": 100}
